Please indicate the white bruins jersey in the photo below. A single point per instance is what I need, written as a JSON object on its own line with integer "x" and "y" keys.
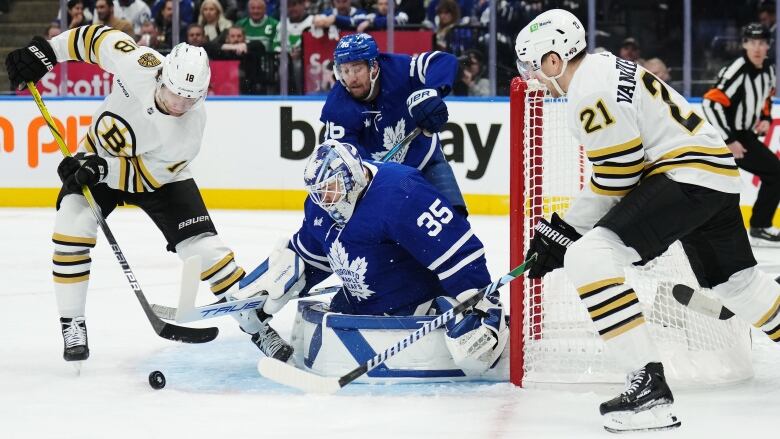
{"x": 632, "y": 125}
{"x": 144, "y": 147}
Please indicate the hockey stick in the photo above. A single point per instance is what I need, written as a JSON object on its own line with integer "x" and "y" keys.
{"x": 700, "y": 303}
{"x": 308, "y": 382}
{"x": 188, "y": 312}
{"x": 403, "y": 144}
{"x": 163, "y": 329}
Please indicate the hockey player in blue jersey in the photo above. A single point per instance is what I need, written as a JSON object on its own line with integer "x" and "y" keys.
{"x": 380, "y": 98}
{"x": 397, "y": 247}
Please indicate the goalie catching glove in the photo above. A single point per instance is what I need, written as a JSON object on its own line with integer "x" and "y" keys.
{"x": 477, "y": 337}
{"x": 550, "y": 242}
{"x": 281, "y": 277}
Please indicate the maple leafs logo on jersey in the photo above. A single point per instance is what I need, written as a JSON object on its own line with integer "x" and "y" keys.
{"x": 352, "y": 274}
{"x": 393, "y": 136}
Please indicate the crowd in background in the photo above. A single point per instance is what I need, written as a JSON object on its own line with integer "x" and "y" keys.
{"x": 249, "y": 31}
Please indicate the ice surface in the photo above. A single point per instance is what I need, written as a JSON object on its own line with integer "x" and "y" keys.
{"x": 214, "y": 391}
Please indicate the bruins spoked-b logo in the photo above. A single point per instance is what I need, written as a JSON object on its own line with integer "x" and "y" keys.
{"x": 115, "y": 135}
{"x": 149, "y": 60}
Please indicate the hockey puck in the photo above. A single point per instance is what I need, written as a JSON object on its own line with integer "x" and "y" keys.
{"x": 157, "y": 380}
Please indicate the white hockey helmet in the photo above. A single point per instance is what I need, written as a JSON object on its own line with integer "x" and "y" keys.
{"x": 335, "y": 179}
{"x": 556, "y": 31}
{"x": 186, "y": 71}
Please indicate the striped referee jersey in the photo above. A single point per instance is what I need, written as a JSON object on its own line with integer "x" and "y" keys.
{"x": 741, "y": 97}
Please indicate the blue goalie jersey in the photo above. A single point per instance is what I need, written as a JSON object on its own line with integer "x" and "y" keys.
{"x": 402, "y": 247}
{"x": 375, "y": 127}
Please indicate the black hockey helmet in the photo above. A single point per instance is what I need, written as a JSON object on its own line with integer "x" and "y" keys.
{"x": 755, "y": 31}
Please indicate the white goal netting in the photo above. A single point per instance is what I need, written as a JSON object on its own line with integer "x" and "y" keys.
{"x": 558, "y": 340}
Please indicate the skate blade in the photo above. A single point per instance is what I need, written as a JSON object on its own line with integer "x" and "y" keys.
{"x": 657, "y": 418}
{"x": 76, "y": 367}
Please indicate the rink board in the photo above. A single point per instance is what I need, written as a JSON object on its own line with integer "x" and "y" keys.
{"x": 255, "y": 149}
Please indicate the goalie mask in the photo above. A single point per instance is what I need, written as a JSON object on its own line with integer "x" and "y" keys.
{"x": 556, "y": 31}
{"x": 335, "y": 178}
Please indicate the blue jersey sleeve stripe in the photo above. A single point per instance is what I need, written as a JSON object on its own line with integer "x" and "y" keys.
{"x": 431, "y": 150}
{"x": 420, "y": 64}
{"x": 303, "y": 249}
{"x": 448, "y": 254}
{"x": 428, "y": 61}
{"x": 465, "y": 261}
{"x": 412, "y": 64}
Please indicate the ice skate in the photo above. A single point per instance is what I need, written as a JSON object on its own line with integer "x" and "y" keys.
{"x": 74, "y": 337}
{"x": 646, "y": 404}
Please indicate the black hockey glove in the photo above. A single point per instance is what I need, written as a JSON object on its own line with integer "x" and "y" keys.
{"x": 30, "y": 63}
{"x": 550, "y": 241}
{"x": 428, "y": 110}
{"x": 82, "y": 169}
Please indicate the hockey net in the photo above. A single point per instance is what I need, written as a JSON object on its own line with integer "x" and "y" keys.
{"x": 557, "y": 342}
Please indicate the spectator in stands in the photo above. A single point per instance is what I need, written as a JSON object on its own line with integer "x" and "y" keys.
{"x": 150, "y": 35}
{"x": 104, "y": 14}
{"x": 164, "y": 22}
{"x": 212, "y": 19}
{"x": 53, "y": 30}
{"x": 186, "y": 10}
{"x": 298, "y": 21}
{"x": 658, "y": 68}
{"x": 136, "y": 12}
{"x": 447, "y": 16}
{"x": 766, "y": 16}
{"x": 250, "y": 54}
{"x": 76, "y": 14}
{"x": 378, "y": 18}
{"x": 471, "y": 80}
{"x": 768, "y": 19}
{"x": 630, "y": 50}
{"x": 195, "y": 35}
{"x": 258, "y": 26}
{"x": 465, "y": 8}
{"x": 342, "y": 15}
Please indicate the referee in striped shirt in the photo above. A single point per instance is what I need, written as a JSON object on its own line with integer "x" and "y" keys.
{"x": 739, "y": 106}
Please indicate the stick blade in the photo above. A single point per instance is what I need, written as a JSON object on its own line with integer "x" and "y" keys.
{"x": 291, "y": 376}
{"x": 700, "y": 303}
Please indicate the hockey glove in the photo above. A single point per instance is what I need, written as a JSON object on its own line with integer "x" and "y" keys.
{"x": 428, "y": 110}
{"x": 82, "y": 169}
{"x": 477, "y": 337}
{"x": 550, "y": 241}
{"x": 281, "y": 277}
{"x": 30, "y": 63}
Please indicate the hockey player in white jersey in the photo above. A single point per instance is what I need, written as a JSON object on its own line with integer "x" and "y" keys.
{"x": 137, "y": 151}
{"x": 661, "y": 173}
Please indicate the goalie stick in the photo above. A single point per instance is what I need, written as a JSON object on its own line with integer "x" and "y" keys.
{"x": 188, "y": 312}
{"x": 309, "y": 382}
{"x": 163, "y": 329}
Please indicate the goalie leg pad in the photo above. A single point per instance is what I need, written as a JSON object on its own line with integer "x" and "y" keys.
{"x": 75, "y": 233}
{"x": 281, "y": 276}
{"x": 755, "y": 297}
{"x": 477, "y": 337}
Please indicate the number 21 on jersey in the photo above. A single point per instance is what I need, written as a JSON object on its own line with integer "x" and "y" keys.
{"x": 434, "y": 217}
